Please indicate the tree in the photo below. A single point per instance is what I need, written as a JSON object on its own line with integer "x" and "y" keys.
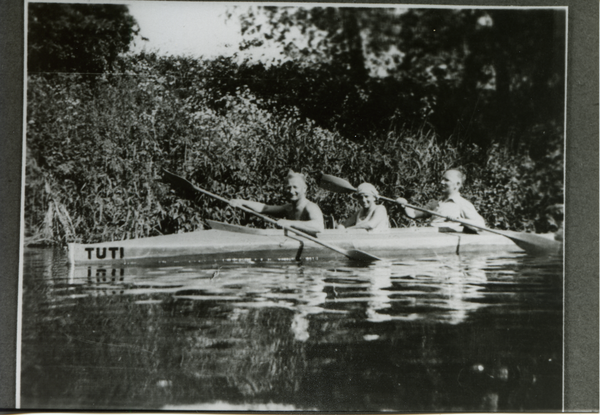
{"x": 495, "y": 75}
{"x": 330, "y": 35}
{"x": 475, "y": 75}
{"x": 77, "y": 37}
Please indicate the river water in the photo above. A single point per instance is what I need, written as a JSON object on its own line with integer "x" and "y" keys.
{"x": 440, "y": 333}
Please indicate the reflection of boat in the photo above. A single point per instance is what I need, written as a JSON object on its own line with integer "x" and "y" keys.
{"x": 233, "y": 242}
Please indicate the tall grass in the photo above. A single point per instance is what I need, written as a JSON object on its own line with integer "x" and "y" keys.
{"x": 95, "y": 150}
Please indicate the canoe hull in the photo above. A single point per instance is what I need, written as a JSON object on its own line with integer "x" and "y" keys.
{"x": 273, "y": 244}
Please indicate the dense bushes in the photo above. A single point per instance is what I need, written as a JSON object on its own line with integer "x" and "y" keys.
{"x": 95, "y": 150}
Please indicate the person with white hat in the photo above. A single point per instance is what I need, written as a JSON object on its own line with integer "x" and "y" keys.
{"x": 370, "y": 216}
{"x": 299, "y": 213}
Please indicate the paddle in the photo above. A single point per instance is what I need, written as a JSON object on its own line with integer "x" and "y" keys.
{"x": 528, "y": 241}
{"x": 189, "y": 187}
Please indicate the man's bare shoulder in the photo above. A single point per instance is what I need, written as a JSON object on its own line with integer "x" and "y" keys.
{"x": 312, "y": 207}
{"x": 460, "y": 200}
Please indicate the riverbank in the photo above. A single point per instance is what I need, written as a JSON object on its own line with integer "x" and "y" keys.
{"x": 95, "y": 147}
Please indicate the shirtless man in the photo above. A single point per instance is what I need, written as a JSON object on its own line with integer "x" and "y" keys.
{"x": 370, "y": 216}
{"x": 300, "y": 213}
{"x": 453, "y": 205}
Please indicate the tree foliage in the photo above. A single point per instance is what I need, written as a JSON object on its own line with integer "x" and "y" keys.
{"x": 77, "y": 37}
{"x": 476, "y": 75}
{"x": 95, "y": 150}
{"x": 388, "y": 97}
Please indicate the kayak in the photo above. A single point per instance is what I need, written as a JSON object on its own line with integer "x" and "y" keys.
{"x": 227, "y": 242}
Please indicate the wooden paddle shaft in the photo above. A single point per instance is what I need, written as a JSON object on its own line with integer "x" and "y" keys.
{"x": 431, "y": 212}
{"x": 529, "y": 242}
{"x": 336, "y": 184}
{"x": 287, "y": 228}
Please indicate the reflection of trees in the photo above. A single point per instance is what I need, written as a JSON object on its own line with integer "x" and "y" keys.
{"x": 411, "y": 361}
{"x": 426, "y": 290}
{"x": 313, "y": 297}
{"x": 315, "y": 338}
{"x": 249, "y": 351}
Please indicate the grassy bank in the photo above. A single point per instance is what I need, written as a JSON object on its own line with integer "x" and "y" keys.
{"x": 95, "y": 147}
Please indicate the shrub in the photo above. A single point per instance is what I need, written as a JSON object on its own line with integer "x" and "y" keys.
{"x": 95, "y": 151}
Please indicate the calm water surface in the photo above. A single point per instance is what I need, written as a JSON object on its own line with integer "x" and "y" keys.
{"x": 440, "y": 333}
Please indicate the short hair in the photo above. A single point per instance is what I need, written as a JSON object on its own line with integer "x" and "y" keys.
{"x": 461, "y": 176}
{"x": 294, "y": 175}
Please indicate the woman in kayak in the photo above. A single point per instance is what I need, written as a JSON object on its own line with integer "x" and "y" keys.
{"x": 299, "y": 213}
{"x": 370, "y": 216}
{"x": 453, "y": 205}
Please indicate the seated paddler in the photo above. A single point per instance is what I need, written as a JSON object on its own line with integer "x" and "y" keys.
{"x": 370, "y": 215}
{"x": 299, "y": 213}
{"x": 452, "y": 205}
{"x": 557, "y": 212}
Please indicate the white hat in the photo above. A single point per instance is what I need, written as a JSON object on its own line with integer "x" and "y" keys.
{"x": 367, "y": 189}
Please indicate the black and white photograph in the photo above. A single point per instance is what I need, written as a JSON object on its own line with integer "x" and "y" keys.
{"x": 293, "y": 207}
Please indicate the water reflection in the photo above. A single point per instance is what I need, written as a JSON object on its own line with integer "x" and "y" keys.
{"x": 446, "y": 333}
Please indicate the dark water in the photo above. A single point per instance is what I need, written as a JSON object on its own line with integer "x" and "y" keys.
{"x": 450, "y": 333}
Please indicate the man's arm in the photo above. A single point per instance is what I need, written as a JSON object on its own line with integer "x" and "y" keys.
{"x": 470, "y": 214}
{"x": 258, "y": 206}
{"x": 415, "y": 214}
{"x": 379, "y": 216}
{"x": 313, "y": 224}
{"x": 462, "y": 210}
{"x": 351, "y": 221}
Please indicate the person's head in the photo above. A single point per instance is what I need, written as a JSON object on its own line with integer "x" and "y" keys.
{"x": 295, "y": 186}
{"x": 557, "y": 212}
{"x": 452, "y": 181}
{"x": 367, "y": 195}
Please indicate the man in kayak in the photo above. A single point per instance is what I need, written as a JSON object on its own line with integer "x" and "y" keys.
{"x": 453, "y": 204}
{"x": 557, "y": 212}
{"x": 300, "y": 213}
{"x": 370, "y": 216}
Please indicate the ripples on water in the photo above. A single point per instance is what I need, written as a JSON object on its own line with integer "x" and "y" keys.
{"x": 446, "y": 333}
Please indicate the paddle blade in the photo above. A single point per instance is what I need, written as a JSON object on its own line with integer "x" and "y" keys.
{"x": 180, "y": 183}
{"x": 533, "y": 243}
{"x": 335, "y": 184}
{"x": 361, "y": 256}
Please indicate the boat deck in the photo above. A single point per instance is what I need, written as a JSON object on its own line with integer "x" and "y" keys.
{"x": 233, "y": 242}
